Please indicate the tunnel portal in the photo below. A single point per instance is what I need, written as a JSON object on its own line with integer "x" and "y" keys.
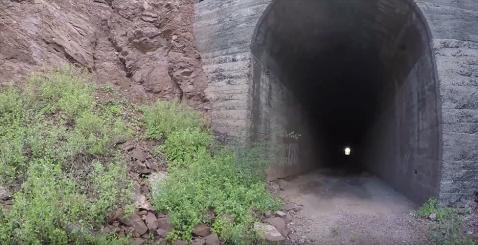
{"x": 356, "y": 74}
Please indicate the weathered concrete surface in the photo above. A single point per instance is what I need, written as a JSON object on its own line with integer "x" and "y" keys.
{"x": 277, "y": 63}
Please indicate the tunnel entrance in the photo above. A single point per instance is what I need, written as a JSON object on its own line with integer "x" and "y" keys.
{"x": 356, "y": 74}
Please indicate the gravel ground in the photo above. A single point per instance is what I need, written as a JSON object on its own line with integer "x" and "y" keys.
{"x": 348, "y": 210}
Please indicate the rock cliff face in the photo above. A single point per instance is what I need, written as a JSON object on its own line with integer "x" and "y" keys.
{"x": 144, "y": 48}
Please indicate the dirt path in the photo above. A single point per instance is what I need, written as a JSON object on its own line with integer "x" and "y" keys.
{"x": 349, "y": 210}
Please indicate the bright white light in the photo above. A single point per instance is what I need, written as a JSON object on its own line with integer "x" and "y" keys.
{"x": 347, "y": 151}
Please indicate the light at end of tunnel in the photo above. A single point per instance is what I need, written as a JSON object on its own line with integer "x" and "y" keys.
{"x": 347, "y": 151}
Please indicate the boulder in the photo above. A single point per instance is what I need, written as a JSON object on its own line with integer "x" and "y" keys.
{"x": 269, "y": 233}
{"x": 279, "y": 224}
{"x": 202, "y": 230}
{"x": 212, "y": 239}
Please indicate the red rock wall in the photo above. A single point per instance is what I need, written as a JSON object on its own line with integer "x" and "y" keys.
{"x": 143, "y": 48}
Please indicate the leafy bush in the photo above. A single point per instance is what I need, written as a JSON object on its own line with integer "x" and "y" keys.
{"x": 229, "y": 181}
{"x": 448, "y": 228}
{"x": 164, "y": 118}
{"x": 57, "y": 140}
{"x": 181, "y": 147}
{"x": 55, "y": 118}
{"x": 50, "y": 209}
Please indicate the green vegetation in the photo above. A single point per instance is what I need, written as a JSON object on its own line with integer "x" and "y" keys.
{"x": 448, "y": 226}
{"x": 58, "y": 155}
{"x": 228, "y": 181}
{"x": 57, "y": 141}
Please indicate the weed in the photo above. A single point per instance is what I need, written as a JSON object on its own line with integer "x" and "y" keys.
{"x": 181, "y": 146}
{"x": 335, "y": 231}
{"x": 229, "y": 181}
{"x": 116, "y": 109}
{"x": 448, "y": 228}
{"x": 56, "y": 140}
{"x": 164, "y": 118}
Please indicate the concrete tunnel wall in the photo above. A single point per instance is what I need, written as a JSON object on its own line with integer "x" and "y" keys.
{"x": 429, "y": 120}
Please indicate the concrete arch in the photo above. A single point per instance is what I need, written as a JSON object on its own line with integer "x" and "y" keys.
{"x": 393, "y": 80}
{"x": 224, "y": 31}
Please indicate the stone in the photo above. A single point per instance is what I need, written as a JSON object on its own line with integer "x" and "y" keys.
{"x": 200, "y": 242}
{"x": 202, "y": 230}
{"x": 288, "y": 218}
{"x": 282, "y": 184}
{"x": 138, "y": 241}
{"x": 279, "y": 224}
{"x": 145, "y": 189}
{"x": 141, "y": 202}
{"x": 153, "y": 166}
{"x": 281, "y": 214}
{"x": 4, "y": 194}
{"x": 289, "y": 207}
{"x": 139, "y": 226}
{"x": 139, "y": 155}
{"x": 128, "y": 219}
{"x": 269, "y": 233}
{"x": 127, "y": 146}
{"x": 212, "y": 239}
{"x": 181, "y": 243}
{"x": 115, "y": 215}
{"x": 151, "y": 221}
{"x": 164, "y": 223}
{"x": 433, "y": 217}
{"x": 106, "y": 230}
{"x": 162, "y": 233}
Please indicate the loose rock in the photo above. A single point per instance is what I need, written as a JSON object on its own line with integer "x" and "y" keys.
{"x": 139, "y": 155}
{"x": 200, "y": 242}
{"x": 269, "y": 233}
{"x": 138, "y": 241}
{"x": 278, "y": 223}
{"x": 139, "y": 226}
{"x": 202, "y": 230}
{"x": 151, "y": 221}
{"x": 4, "y": 193}
{"x": 164, "y": 224}
{"x": 181, "y": 243}
{"x": 212, "y": 239}
{"x": 162, "y": 233}
{"x": 280, "y": 214}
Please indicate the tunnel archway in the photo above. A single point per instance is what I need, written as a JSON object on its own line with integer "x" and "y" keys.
{"x": 358, "y": 74}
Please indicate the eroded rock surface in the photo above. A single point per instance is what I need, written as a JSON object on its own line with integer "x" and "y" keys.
{"x": 143, "y": 48}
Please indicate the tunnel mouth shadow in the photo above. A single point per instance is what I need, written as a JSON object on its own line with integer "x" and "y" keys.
{"x": 350, "y": 73}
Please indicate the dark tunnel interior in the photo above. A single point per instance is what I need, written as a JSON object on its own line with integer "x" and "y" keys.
{"x": 340, "y": 106}
{"x": 361, "y": 74}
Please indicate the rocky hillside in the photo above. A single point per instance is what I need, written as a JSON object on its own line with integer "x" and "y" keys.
{"x": 143, "y": 48}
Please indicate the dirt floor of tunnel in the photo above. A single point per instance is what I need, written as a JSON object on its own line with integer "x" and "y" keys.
{"x": 349, "y": 209}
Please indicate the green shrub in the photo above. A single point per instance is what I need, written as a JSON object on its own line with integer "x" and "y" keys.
{"x": 50, "y": 209}
{"x": 212, "y": 183}
{"x": 57, "y": 140}
{"x": 65, "y": 90}
{"x": 448, "y": 228}
{"x": 164, "y": 118}
{"x": 228, "y": 181}
{"x": 54, "y": 118}
{"x": 182, "y": 146}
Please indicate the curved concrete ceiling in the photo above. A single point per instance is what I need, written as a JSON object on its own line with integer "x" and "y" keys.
{"x": 302, "y": 34}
